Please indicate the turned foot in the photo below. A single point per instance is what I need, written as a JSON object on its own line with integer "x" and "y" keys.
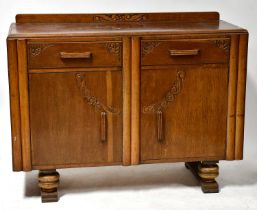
{"x": 48, "y": 181}
{"x": 205, "y": 172}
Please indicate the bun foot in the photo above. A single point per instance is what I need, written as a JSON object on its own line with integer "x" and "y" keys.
{"x": 205, "y": 172}
{"x": 48, "y": 181}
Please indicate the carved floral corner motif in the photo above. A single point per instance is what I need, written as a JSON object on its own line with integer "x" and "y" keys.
{"x": 114, "y": 48}
{"x": 170, "y": 95}
{"x": 90, "y": 99}
{"x": 37, "y": 49}
{"x": 148, "y": 47}
{"x": 119, "y": 17}
{"x": 223, "y": 44}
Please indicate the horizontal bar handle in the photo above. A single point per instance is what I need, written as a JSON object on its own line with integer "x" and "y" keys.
{"x": 86, "y": 55}
{"x": 184, "y": 52}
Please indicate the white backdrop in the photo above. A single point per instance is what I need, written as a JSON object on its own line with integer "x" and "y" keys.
{"x": 162, "y": 186}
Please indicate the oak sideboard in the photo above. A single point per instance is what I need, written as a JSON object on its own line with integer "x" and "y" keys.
{"x": 126, "y": 89}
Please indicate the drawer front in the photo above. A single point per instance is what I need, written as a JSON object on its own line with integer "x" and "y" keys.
{"x": 74, "y": 54}
{"x": 192, "y": 51}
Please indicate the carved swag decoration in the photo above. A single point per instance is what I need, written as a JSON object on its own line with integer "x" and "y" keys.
{"x": 170, "y": 96}
{"x": 157, "y": 108}
{"x": 90, "y": 99}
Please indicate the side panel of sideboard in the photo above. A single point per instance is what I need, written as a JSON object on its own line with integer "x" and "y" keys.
{"x": 236, "y": 100}
{"x": 241, "y": 90}
{"x": 18, "y": 77}
{"x": 24, "y": 104}
{"x": 14, "y": 105}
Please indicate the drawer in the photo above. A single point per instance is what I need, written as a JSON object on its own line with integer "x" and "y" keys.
{"x": 192, "y": 51}
{"x": 74, "y": 54}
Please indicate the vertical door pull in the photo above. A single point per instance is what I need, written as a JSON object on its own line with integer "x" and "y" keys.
{"x": 159, "y": 126}
{"x": 103, "y": 127}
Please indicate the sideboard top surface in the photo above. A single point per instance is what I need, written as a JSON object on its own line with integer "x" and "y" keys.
{"x": 51, "y": 25}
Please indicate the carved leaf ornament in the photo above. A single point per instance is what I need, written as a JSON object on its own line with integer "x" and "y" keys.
{"x": 170, "y": 95}
{"x": 91, "y": 99}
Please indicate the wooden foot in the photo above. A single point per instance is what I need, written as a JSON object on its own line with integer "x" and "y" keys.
{"x": 205, "y": 172}
{"x": 48, "y": 181}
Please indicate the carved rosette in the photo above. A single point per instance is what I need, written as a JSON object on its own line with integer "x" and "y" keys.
{"x": 169, "y": 96}
{"x": 223, "y": 44}
{"x": 119, "y": 17}
{"x": 37, "y": 49}
{"x": 148, "y": 47}
{"x": 114, "y": 48}
{"x": 90, "y": 99}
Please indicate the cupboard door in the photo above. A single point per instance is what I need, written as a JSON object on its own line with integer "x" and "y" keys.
{"x": 184, "y": 112}
{"x": 76, "y": 118}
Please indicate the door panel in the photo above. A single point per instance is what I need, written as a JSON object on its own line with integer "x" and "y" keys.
{"x": 76, "y": 118}
{"x": 184, "y": 112}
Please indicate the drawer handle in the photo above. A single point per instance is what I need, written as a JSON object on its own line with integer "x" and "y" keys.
{"x": 159, "y": 126}
{"x": 67, "y": 55}
{"x": 103, "y": 127}
{"x": 184, "y": 52}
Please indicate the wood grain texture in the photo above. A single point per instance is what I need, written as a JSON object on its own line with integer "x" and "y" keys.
{"x": 135, "y": 101}
{"x": 194, "y": 111}
{"x": 24, "y": 104}
{"x": 241, "y": 86}
{"x": 126, "y": 101}
{"x": 157, "y": 52}
{"x": 117, "y": 17}
{"x": 109, "y": 127}
{"x": 14, "y": 105}
{"x": 51, "y": 55}
{"x": 126, "y": 89}
{"x": 99, "y": 29}
{"x": 73, "y": 165}
{"x": 232, "y": 94}
{"x": 70, "y": 132}
{"x": 67, "y": 70}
